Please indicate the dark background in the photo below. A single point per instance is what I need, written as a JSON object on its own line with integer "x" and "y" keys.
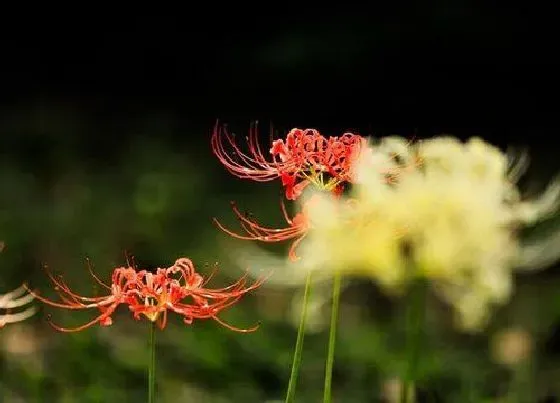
{"x": 439, "y": 66}
{"x": 105, "y": 121}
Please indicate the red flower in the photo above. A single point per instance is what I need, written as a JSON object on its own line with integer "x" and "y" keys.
{"x": 178, "y": 289}
{"x": 297, "y": 229}
{"x": 304, "y": 157}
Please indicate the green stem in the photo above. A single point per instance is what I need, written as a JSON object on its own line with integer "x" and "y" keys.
{"x": 152, "y": 365}
{"x": 415, "y": 310}
{"x": 296, "y": 363}
{"x": 521, "y": 384}
{"x": 327, "y": 394}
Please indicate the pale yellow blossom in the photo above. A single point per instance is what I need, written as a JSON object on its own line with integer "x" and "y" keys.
{"x": 511, "y": 347}
{"x": 441, "y": 209}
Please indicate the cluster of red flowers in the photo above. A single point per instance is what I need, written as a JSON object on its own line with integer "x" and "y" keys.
{"x": 179, "y": 289}
{"x": 304, "y": 157}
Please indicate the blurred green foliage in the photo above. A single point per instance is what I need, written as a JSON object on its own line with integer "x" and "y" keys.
{"x": 154, "y": 197}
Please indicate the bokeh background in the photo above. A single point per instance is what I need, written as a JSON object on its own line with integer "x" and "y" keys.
{"x": 105, "y": 126}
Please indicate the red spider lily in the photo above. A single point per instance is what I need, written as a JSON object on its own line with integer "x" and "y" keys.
{"x": 297, "y": 229}
{"x": 304, "y": 157}
{"x": 178, "y": 289}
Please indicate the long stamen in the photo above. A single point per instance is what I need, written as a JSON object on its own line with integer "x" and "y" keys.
{"x": 101, "y": 317}
{"x": 99, "y": 281}
{"x": 235, "y": 329}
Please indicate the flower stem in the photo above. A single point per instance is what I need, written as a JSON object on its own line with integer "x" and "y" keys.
{"x": 415, "y": 310}
{"x": 296, "y": 363}
{"x": 521, "y": 388}
{"x": 152, "y": 365}
{"x": 327, "y": 393}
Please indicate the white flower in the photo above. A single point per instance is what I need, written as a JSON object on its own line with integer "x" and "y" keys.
{"x": 16, "y": 299}
{"x": 440, "y": 209}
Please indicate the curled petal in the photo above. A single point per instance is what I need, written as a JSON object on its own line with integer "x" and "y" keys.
{"x": 17, "y": 317}
{"x": 297, "y": 229}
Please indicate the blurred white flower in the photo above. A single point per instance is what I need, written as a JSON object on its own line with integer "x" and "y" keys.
{"x": 392, "y": 390}
{"x": 511, "y": 347}
{"x": 440, "y": 209}
{"x": 16, "y": 299}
